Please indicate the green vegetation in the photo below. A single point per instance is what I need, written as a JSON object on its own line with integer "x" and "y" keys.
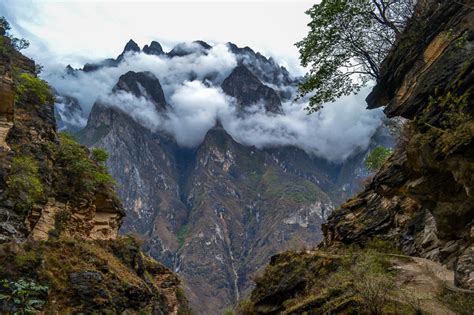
{"x": 182, "y": 233}
{"x": 23, "y": 296}
{"x": 461, "y": 303}
{"x": 99, "y": 155}
{"x": 456, "y": 129}
{"x": 60, "y": 220}
{"x": 34, "y": 89}
{"x": 228, "y": 311}
{"x": 346, "y": 44}
{"x": 16, "y": 43}
{"x": 296, "y": 191}
{"x": 23, "y": 183}
{"x": 82, "y": 172}
{"x": 377, "y": 158}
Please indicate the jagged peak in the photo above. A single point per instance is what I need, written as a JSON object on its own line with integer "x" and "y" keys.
{"x": 131, "y": 46}
{"x": 144, "y": 84}
{"x": 154, "y": 48}
{"x": 248, "y": 90}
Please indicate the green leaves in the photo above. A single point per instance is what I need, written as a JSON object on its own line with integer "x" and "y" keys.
{"x": 345, "y": 46}
{"x": 34, "y": 89}
{"x": 23, "y": 183}
{"x": 27, "y": 296}
{"x": 82, "y": 172}
{"x": 377, "y": 158}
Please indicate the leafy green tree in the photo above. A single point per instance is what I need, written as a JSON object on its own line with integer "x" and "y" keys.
{"x": 346, "y": 44}
{"x": 377, "y": 158}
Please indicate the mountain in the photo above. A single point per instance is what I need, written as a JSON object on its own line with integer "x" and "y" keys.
{"x": 409, "y": 234}
{"x": 216, "y": 212}
{"x": 59, "y": 215}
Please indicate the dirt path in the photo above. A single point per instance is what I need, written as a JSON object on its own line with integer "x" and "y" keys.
{"x": 422, "y": 280}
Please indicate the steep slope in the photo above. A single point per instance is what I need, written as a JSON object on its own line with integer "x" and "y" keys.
{"x": 60, "y": 216}
{"x": 420, "y": 202}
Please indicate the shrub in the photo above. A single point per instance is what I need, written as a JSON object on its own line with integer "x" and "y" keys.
{"x": 34, "y": 89}
{"x": 99, "y": 155}
{"x": 82, "y": 172}
{"x": 377, "y": 158}
{"x": 23, "y": 183}
{"x": 23, "y": 296}
{"x": 372, "y": 282}
{"x": 461, "y": 303}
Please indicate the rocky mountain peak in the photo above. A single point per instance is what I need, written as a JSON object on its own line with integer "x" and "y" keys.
{"x": 142, "y": 84}
{"x": 131, "y": 46}
{"x": 153, "y": 49}
{"x": 248, "y": 90}
{"x": 184, "y": 49}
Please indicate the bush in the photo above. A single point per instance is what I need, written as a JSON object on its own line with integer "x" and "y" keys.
{"x": 24, "y": 184}
{"x": 34, "y": 89}
{"x": 372, "y": 282}
{"x": 82, "y": 172}
{"x": 23, "y": 296}
{"x": 377, "y": 158}
{"x": 99, "y": 155}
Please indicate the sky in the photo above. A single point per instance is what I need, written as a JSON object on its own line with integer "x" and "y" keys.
{"x": 75, "y": 32}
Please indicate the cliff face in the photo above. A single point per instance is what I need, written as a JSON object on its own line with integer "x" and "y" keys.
{"x": 60, "y": 216}
{"x": 420, "y": 202}
{"x": 422, "y": 198}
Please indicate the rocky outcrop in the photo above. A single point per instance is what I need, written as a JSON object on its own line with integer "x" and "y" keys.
{"x": 142, "y": 84}
{"x": 184, "y": 49}
{"x": 68, "y": 113}
{"x": 248, "y": 90}
{"x": 153, "y": 49}
{"x": 422, "y": 199}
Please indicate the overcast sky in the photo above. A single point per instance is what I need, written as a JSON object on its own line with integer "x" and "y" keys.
{"x": 74, "y": 32}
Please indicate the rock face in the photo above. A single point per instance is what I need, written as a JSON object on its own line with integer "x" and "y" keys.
{"x": 154, "y": 49}
{"x": 421, "y": 201}
{"x": 142, "y": 84}
{"x": 422, "y": 198}
{"x": 60, "y": 216}
{"x": 68, "y": 113}
{"x": 248, "y": 90}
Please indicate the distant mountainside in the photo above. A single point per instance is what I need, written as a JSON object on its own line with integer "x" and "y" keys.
{"x": 214, "y": 212}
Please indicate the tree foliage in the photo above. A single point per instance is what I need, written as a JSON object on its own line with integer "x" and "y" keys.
{"x": 377, "y": 158}
{"x": 83, "y": 172}
{"x": 34, "y": 89}
{"x": 17, "y": 43}
{"x": 23, "y": 183}
{"x": 346, "y": 44}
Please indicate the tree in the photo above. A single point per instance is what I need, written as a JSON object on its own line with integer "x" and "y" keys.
{"x": 17, "y": 43}
{"x": 377, "y": 158}
{"x": 346, "y": 44}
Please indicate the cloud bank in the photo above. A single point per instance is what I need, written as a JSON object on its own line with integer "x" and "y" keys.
{"x": 191, "y": 85}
